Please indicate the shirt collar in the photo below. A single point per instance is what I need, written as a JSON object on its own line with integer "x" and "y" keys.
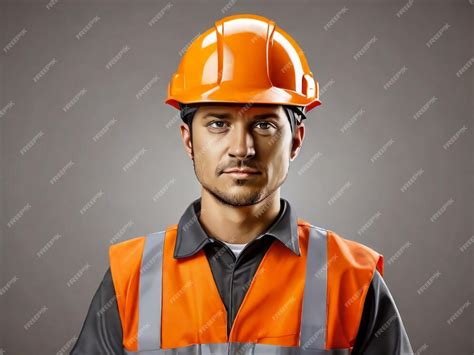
{"x": 191, "y": 237}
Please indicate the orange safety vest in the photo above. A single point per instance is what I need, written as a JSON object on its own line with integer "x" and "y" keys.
{"x": 306, "y": 304}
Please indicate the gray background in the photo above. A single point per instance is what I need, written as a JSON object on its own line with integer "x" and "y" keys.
{"x": 53, "y": 257}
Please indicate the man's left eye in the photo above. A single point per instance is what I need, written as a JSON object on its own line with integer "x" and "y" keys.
{"x": 265, "y": 123}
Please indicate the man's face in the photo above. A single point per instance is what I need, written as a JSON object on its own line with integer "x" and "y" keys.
{"x": 238, "y": 136}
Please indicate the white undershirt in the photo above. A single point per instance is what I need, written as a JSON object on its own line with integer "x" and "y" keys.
{"x": 236, "y": 248}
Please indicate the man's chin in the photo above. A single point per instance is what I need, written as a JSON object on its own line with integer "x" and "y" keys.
{"x": 239, "y": 196}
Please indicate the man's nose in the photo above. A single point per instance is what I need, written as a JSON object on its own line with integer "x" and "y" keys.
{"x": 241, "y": 143}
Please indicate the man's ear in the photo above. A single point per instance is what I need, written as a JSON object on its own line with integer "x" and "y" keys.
{"x": 298, "y": 138}
{"x": 187, "y": 139}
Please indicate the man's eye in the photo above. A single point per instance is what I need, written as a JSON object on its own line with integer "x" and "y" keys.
{"x": 221, "y": 124}
{"x": 269, "y": 125}
{"x": 214, "y": 122}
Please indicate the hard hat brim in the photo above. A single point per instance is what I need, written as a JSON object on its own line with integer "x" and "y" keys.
{"x": 223, "y": 94}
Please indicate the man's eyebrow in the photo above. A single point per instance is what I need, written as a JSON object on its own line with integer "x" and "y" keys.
{"x": 217, "y": 115}
{"x": 266, "y": 115}
{"x": 228, "y": 115}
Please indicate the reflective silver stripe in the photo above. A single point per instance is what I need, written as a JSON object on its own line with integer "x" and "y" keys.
{"x": 313, "y": 318}
{"x": 239, "y": 349}
{"x": 149, "y": 300}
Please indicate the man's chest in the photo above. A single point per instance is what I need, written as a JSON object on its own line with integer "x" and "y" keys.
{"x": 232, "y": 275}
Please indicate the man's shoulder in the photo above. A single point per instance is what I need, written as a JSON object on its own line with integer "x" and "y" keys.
{"x": 334, "y": 237}
{"x": 125, "y": 257}
{"x": 128, "y": 253}
{"x": 343, "y": 242}
{"x": 135, "y": 242}
{"x": 355, "y": 254}
{"x": 347, "y": 253}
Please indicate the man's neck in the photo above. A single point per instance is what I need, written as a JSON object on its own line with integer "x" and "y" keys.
{"x": 239, "y": 224}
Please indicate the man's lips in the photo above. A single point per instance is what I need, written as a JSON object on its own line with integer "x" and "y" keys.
{"x": 242, "y": 171}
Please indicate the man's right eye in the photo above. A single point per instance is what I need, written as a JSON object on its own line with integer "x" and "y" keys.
{"x": 211, "y": 123}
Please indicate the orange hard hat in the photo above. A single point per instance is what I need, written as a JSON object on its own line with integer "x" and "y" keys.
{"x": 244, "y": 58}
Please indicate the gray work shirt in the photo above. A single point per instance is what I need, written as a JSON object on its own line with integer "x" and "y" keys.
{"x": 101, "y": 331}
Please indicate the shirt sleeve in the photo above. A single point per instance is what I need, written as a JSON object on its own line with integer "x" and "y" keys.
{"x": 381, "y": 329}
{"x": 101, "y": 331}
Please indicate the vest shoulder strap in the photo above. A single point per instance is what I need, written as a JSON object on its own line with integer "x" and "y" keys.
{"x": 125, "y": 263}
{"x": 351, "y": 266}
{"x": 354, "y": 254}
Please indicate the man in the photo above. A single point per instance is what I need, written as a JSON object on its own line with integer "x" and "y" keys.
{"x": 240, "y": 273}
